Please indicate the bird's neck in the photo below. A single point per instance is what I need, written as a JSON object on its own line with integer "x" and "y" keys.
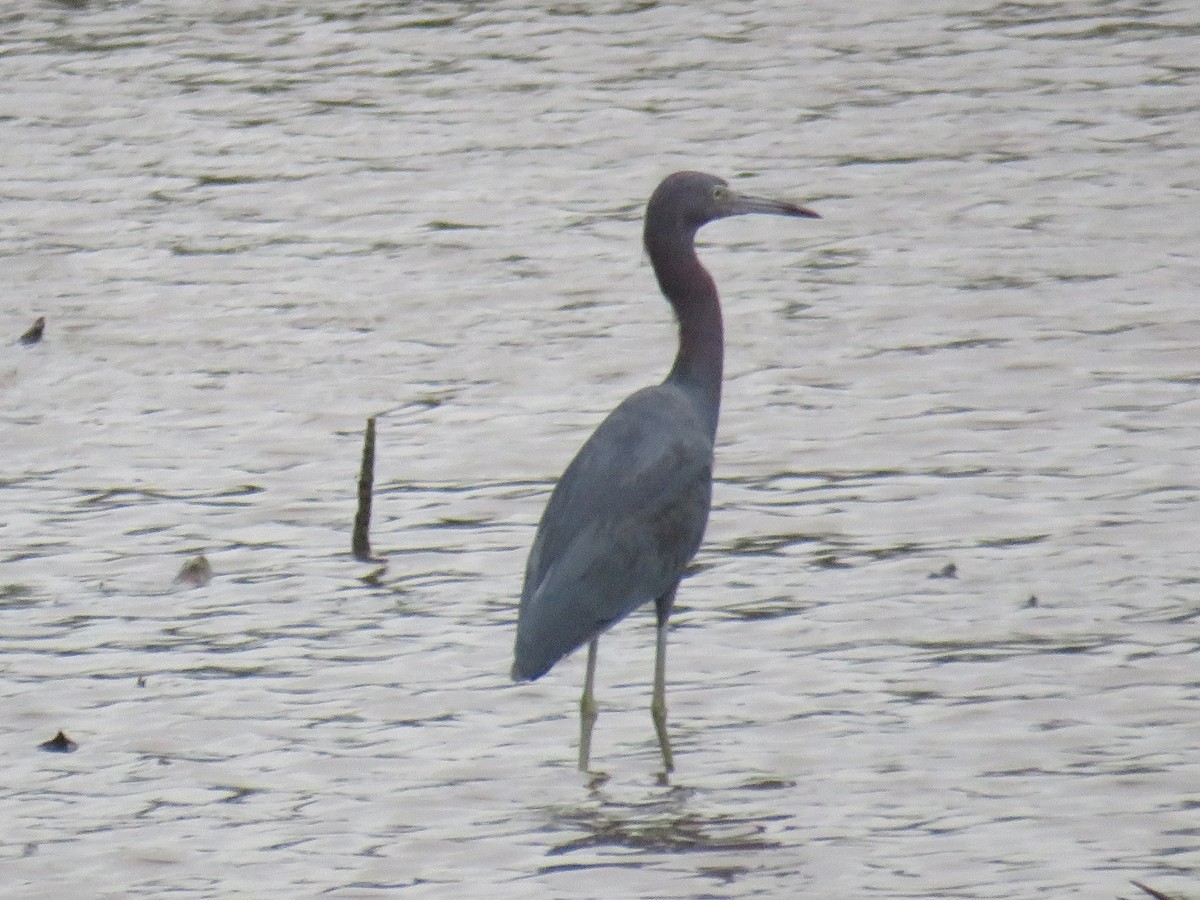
{"x": 693, "y": 295}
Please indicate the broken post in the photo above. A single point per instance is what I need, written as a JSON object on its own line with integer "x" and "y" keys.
{"x": 360, "y": 542}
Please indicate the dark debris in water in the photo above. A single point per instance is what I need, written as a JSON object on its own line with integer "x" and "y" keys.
{"x": 34, "y": 334}
{"x": 196, "y": 572}
{"x": 949, "y": 570}
{"x": 60, "y": 743}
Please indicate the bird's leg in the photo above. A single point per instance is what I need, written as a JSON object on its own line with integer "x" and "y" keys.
{"x": 658, "y": 702}
{"x": 587, "y": 708}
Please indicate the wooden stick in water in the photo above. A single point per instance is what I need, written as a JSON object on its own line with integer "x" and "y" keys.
{"x": 360, "y": 542}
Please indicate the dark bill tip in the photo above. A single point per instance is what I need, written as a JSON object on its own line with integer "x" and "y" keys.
{"x": 747, "y": 204}
{"x": 805, "y": 212}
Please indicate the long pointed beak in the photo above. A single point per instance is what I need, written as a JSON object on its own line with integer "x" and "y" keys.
{"x": 743, "y": 204}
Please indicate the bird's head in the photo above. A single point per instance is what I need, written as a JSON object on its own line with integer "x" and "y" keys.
{"x": 687, "y": 200}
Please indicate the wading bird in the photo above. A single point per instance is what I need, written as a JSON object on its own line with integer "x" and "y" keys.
{"x": 630, "y": 510}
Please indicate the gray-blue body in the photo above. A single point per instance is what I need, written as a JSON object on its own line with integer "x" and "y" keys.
{"x": 638, "y": 517}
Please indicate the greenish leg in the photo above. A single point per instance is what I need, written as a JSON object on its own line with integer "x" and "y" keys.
{"x": 587, "y": 708}
{"x": 658, "y": 702}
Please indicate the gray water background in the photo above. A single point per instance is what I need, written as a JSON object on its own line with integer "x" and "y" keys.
{"x": 250, "y": 225}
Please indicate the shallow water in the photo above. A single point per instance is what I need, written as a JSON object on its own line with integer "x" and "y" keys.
{"x": 250, "y": 229}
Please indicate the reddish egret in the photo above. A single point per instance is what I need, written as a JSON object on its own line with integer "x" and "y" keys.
{"x": 629, "y": 512}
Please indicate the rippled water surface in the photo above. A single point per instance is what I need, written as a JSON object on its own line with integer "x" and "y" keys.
{"x": 942, "y": 639}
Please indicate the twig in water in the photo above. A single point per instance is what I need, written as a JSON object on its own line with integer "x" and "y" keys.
{"x": 360, "y": 542}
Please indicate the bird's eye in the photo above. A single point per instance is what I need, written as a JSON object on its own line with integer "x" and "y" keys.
{"x": 720, "y": 192}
